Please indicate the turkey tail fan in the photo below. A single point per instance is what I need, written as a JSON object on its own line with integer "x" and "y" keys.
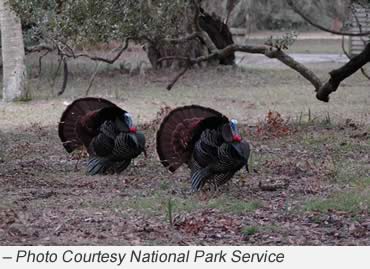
{"x": 176, "y": 132}
{"x": 72, "y": 114}
{"x": 208, "y": 123}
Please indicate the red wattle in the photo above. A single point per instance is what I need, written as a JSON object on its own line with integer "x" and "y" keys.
{"x": 133, "y": 130}
{"x": 237, "y": 138}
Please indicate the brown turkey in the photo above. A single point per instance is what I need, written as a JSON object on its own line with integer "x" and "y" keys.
{"x": 105, "y": 130}
{"x": 207, "y": 141}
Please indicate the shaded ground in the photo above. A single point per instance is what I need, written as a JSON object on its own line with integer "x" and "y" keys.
{"x": 309, "y": 185}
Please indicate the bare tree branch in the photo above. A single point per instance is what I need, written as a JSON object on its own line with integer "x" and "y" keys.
{"x": 57, "y": 71}
{"x": 323, "y": 89}
{"x": 65, "y": 77}
{"x": 230, "y": 5}
{"x": 196, "y": 7}
{"x": 306, "y": 18}
{"x": 174, "y": 57}
{"x": 338, "y": 75}
{"x": 65, "y": 51}
{"x": 39, "y": 48}
{"x": 265, "y": 50}
{"x": 363, "y": 71}
{"x": 92, "y": 78}
{"x": 40, "y": 61}
{"x": 72, "y": 54}
{"x": 178, "y": 76}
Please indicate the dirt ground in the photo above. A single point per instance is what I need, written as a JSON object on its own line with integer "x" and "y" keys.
{"x": 309, "y": 169}
{"x": 308, "y": 185}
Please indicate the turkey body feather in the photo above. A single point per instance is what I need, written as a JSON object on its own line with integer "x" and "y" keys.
{"x": 216, "y": 160}
{"x": 105, "y": 130}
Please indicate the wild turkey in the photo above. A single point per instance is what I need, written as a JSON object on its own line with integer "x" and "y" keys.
{"x": 106, "y": 131}
{"x": 207, "y": 141}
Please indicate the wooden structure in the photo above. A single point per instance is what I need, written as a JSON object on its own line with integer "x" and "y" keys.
{"x": 360, "y": 22}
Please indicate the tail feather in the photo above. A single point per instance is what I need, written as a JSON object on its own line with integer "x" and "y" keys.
{"x": 97, "y": 165}
{"x": 119, "y": 167}
{"x": 176, "y": 132}
{"x": 199, "y": 178}
{"x": 72, "y": 114}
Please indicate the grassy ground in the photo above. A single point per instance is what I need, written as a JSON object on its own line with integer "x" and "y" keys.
{"x": 309, "y": 179}
{"x": 245, "y": 93}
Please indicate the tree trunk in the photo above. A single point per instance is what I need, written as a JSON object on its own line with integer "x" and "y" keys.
{"x": 14, "y": 70}
{"x": 218, "y": 31}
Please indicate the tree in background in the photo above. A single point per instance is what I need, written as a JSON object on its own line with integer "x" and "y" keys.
{"x": 87, "y": 22}
{"x": 274, "y": 48}
{"x": 275, "y": 15}
{"x": 170, "y": 30}
{"x": 14, "y": 70}
{"x": 71, "y": 28}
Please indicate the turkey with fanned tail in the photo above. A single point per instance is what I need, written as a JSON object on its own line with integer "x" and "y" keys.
{"x": 105, "y": 130}
{"x": 207, "y": 141}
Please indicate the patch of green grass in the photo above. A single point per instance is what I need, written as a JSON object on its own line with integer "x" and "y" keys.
{"x": 327, "y": 120}
{"x": 306, "y": 119}
{"x": 164, "y": 185}
{"x": 6, "y": 204}
{"x": 353, "y": 172}
{"x": 250, "y": 230}
{"x": 342, "y": 162}
{"x": 186, "y": 205}
{"x": 234, "y": 206}
{"x": 146, "y": 204}
{"x": 363, "y": 182}
{"x": 342, "y": 145}
{"x": 223, "y": 203}
{"x": 317, "y": 140}
{"x": 344, "y": 165}
{"x": 351, "y": 202}
{"x": 157, "y": 204}
{"x": 170, "y": 212}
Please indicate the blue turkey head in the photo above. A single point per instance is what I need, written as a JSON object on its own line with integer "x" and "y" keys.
{"x": 127, "y": 119}
{"x": 230, "y": 132}
{"x": 234, "y": 131}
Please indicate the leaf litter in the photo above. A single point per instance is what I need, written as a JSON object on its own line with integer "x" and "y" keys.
{"x": 46, "y": 200}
